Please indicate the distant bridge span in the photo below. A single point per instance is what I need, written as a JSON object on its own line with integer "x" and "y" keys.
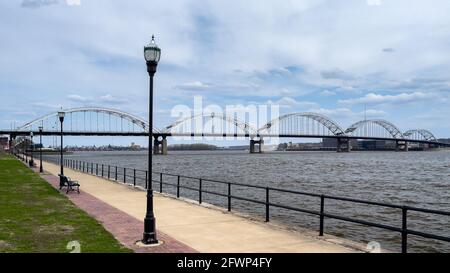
{"x": 94, "y": 121}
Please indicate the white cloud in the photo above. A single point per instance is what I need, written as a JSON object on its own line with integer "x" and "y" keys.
{"x": 334, "y": 113}
{"x": 112, "y": 99}
{"x": 193, "y": 86}
{"x": 78, "y": 98}
{"x": 293, "y": 104}
{"x": 34, "y": 4}
{"x": 327, "y": 93}
{"x": 373, "y": 98}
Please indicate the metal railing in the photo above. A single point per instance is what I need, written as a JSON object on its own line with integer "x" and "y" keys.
{"x": 122, "y": 174}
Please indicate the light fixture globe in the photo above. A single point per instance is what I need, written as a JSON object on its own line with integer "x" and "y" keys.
{"x": 61, "y": 114}
{"x": 41, "y": 128}
{"x": 152, "y": 52}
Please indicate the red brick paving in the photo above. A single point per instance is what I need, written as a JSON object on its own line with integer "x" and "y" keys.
{"x": 125, "y": 228}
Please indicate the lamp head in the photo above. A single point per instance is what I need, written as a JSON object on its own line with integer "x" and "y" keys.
{"x": 61, "y": 115}
{"x": 152, "y": 52}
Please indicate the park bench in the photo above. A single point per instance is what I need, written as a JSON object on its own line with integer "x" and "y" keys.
{"x": 70, "y": 184}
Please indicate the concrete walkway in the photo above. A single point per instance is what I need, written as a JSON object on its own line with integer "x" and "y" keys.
{"x": 203, "y": 229}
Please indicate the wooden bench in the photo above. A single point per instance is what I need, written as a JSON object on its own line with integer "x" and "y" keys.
{"x": 70, "y": 184}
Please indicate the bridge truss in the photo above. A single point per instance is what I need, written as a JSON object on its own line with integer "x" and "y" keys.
{"x": 90, "y": 120}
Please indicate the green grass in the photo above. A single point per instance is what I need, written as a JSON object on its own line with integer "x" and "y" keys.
{"x": 35, "y": 217}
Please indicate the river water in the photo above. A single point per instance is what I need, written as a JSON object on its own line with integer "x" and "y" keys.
{"x": 419, "y": 179}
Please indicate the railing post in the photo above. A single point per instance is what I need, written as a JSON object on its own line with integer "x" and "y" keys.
{"x": 322, "y": 217}
{"x": 103, "y": 170}
{"x": 109, "y": 169}
{"x": 134, "y": 177}
{"x": 83, "y": 166}
{"x": 96, "y": 169}
{"x": 267, "y": 205}
{"x": 146, "y": 179}
{"x": 200, "y": 191}
{"x": 124, "y": 175}
{"x": 229, "y": 196}
{"x": 160, "y": 182}
{"x": 404, "y": 230}
{"x": 116, "y": 173}
{"x": 178, "y": 186}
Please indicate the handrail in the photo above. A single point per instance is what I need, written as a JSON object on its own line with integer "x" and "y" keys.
{"x": 114, "y": 171}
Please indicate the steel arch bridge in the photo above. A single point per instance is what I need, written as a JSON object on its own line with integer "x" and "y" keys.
{"x": 374, "y": 128}
{"x": 90, "y": 120}
{"x": 94, "y": 121}
{"x": 420, "y": 134}
{"x": 306, "y": 124}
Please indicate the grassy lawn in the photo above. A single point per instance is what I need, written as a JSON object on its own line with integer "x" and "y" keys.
{"x": 34, "y": 217}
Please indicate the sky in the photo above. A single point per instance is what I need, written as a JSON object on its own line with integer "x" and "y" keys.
{"x": 386, "y": 59}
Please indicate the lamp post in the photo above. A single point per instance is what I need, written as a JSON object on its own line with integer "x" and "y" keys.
{"x": 31, "y": 162}
{"x": 61, "y": 115}
{"x": 152, "y": 54}
{"x": 40, "y": 149}
{"x": 25, "y": 150}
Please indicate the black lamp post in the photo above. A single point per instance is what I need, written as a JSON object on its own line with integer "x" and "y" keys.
{"x": 31, "y": 162}
{"x": 25, "y": 150}
{"x": 61, "y": 115}
{"x": 40, "y": 149}
{"x": 152, "y": 54}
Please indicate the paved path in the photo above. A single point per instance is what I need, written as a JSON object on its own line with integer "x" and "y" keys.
{"x": 125, "y": 228}
{"x": 200, "y": 228}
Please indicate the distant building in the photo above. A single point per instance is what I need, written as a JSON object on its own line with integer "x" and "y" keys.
{"x": 332, "y": 143}
{"x": 4, "y": 143}
{"x": 134, "y": 146}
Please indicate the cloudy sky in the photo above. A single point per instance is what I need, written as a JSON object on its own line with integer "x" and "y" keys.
{"x": 334, "y": 57}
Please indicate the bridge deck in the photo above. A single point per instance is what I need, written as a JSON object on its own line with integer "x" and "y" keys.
{"x": 205, "y": 229}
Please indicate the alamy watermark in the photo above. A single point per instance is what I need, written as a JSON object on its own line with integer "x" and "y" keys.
{"x": 374, "y": 247}
{"x": 213, "y": 122}
{"x": 74, "y": 246}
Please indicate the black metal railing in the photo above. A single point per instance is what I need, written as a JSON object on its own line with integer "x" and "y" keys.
{"x": 134, "y": 175}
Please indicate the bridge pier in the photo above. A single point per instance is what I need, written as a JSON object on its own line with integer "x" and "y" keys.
{"x": 401, "y": 146}
{"x": 259, "y": 143}
{"x": 160, "y": 146}
{"x": 343, "y": 145}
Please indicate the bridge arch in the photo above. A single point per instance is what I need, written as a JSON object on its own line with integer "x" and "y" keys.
{"x": 369, "y": 130}
{"x": 420, "y": 134}
{"x": 141, "y": 123}
{"x": 303, "y": 124}
{"x": 209, "y": 123}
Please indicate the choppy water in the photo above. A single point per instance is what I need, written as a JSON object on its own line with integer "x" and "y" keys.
{"x": 419, "y": 179}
